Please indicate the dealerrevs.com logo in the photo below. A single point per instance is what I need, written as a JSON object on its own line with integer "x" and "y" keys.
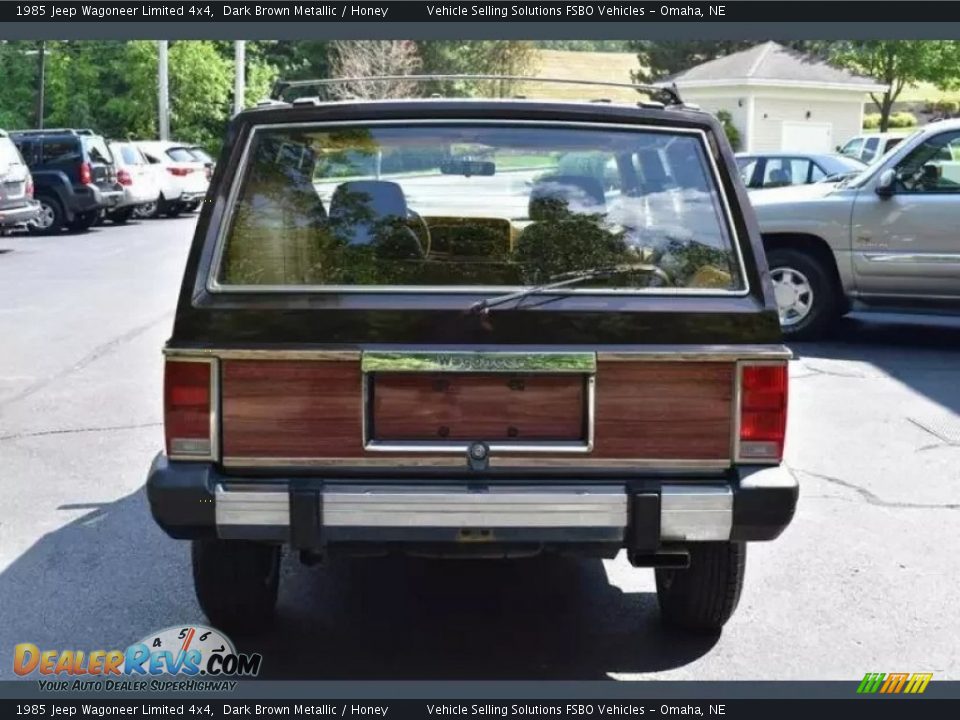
{"x": 191, "y": 651}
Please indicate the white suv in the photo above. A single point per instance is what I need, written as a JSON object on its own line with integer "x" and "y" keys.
{"x": 140, "y": 181}
{"x": 184, "y": 180}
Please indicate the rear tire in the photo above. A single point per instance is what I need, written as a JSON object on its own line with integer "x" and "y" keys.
{"x": 121, "y": 217}
{"x": 807, "y": 296}
{"x": 236, "y": 582}
{"x": 83, "y": 221}
{"x": 702, "y": 597}
{"x": 50, "y": 220}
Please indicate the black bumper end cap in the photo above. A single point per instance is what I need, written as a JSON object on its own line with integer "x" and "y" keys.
{"x": 181, "y": 498}
{"x": 764, "y": 502}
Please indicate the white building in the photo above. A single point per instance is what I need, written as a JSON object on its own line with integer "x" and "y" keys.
{"x": 780, "y": 99}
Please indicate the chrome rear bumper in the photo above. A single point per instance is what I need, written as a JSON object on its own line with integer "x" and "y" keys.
{"x": 694, "y": 513}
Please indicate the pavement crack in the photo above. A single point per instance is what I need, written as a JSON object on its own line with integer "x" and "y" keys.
{"x": 944, "y": 439}
{"x": 88, "y": 359}
{"x": 72, "y": 431}
{"x": 873, "y": 499}
{"x": 814, "y": 370}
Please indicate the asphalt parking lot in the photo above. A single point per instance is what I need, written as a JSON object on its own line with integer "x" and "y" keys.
{"x": 864, "y": 580}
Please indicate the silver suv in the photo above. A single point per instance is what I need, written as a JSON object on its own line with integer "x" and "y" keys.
{"x": 888, "y": 238}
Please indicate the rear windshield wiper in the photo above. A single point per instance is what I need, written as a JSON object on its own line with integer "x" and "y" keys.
{"x": 568, "y": 278}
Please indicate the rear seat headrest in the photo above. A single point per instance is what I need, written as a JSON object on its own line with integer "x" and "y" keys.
{"x": 368, "y": 201}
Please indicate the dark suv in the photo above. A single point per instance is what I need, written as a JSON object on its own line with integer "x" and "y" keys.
{"x": 74, "y": 177}
{"x": 475, "y": 329}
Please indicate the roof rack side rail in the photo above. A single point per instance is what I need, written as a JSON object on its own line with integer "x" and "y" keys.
{"x": 668, "y": 95}
{"x": 56, "y": 131}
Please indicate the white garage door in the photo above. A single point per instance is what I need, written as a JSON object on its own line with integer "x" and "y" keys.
{"x": 807, "y": 137}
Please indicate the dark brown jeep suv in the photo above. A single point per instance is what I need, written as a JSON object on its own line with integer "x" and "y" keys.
{"x": 475, "y": 328}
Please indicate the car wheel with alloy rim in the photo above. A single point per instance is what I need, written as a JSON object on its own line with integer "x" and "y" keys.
{"x": 806, "y": 293}
{"x": 49, "y": 219}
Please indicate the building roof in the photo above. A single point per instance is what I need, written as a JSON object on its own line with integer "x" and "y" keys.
{"x": 772, "y": 64}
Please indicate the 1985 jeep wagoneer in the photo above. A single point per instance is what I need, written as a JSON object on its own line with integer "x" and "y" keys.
{"x": 481, "y": 328}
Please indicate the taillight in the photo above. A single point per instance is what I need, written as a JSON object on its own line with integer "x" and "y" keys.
{"x": 187, "y": 401}
{"x": 124, "y": 177}
{"x": 179, "y": 171}
{"x": 763, "y": 411}
{"x": 29, "y": 188}
{"x": 86, "y": 175}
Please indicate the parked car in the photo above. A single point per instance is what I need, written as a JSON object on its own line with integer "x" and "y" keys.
{"x": 140, "y": 182}
{"x": 17, "y": 206}
{"x": 184, "y": 181}
{"x": 760, "y": 171}
{"x": 203, "y": 156}
{"x": 885, "y": 239}
{"x": 73, "y": 174}
{"x": 460, "y": 364}
{"x": 869, "y": 146}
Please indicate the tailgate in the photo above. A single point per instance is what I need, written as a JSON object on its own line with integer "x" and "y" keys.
{"x": 603, "y": 410}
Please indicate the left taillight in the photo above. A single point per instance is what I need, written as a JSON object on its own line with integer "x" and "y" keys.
{"x": 763, "y": 411}
{"x": 188, "y": 397}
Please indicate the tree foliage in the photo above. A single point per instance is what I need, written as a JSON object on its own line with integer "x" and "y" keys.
{"x": 111, "y": 86}
{"x": 899, "y": 63}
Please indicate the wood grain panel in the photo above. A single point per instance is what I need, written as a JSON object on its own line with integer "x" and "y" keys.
{"x": 312, "y": 409}
{"x": 280, "y": 408}
{"x": 454, "y": 406}
{"x": 664, "y": 410}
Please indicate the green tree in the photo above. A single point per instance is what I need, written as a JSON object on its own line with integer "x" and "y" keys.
{"x": 898, "y": 63}
{"x": 18, "y": 89}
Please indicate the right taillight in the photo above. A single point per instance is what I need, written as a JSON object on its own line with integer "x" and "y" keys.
{"x": 188, "y": 397}
{"x": 763, "y": 411}
{"x": 86, "y": 174}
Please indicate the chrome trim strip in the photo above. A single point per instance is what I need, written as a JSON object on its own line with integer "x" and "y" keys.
{"x": 913, "y": 258}
{"x": 479, "y": 361}
{"x": 251, "y": 507}
{"x": 705, "y": 353}
{"x": 213, "y": 286}
{"x": 264, "y": 354}
{"x": 696, "y": 512}
{"x": 649, "y": 353}
{"x": 457, "y": 507}
{"x": 450, "y": 461}
{"x": 214, "y": 453}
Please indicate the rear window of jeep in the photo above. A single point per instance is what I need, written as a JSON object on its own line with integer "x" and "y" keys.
{"x": 478, "y": 205}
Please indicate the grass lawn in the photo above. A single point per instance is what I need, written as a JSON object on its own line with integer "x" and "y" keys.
{"x": 616, "y": 67}
{"x": 569, "y": 65}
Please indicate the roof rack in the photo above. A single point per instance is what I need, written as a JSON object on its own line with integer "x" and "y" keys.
{"x": 668, "y": 95}
{"x": 56, "y": 131}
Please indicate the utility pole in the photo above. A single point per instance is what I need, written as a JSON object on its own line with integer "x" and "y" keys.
{"x": 164, "y": 90}
{"x": 240, "y": 74}
{"x": 41, "y": 80}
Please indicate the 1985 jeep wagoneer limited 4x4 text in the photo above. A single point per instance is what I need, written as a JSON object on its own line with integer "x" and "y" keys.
{"x": 475, "y": 328}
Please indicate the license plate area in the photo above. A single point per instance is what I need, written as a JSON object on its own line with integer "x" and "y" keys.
{"x": 445, "y": 402}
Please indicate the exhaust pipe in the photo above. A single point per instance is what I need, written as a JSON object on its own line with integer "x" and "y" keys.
{"x": 678, "y": 559}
